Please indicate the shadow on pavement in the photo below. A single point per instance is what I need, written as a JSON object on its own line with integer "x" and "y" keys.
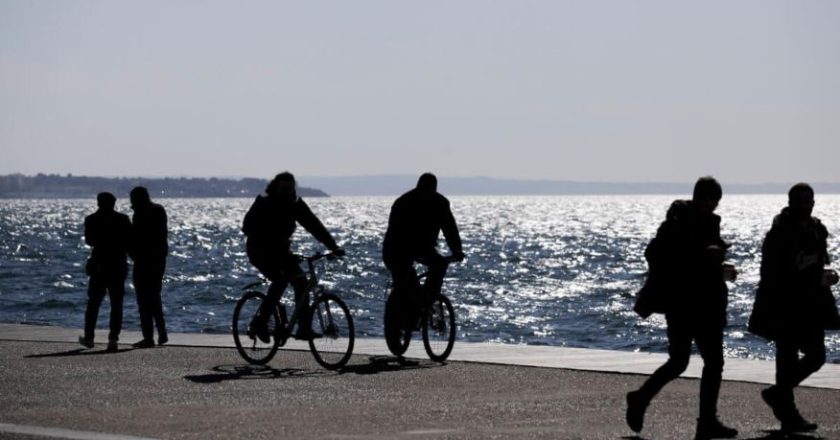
{"x": 777, "y": 434}
{"x": 237, "y": 372}
{"x": 76, "y": 352}
{"x": 383, "y": 364}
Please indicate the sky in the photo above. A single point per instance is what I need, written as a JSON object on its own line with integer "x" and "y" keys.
{"x": 622, "y": 90}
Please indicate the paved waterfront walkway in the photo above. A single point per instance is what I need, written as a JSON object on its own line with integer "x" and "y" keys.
{"x": 608, "y": 361}
{"x": 198, "y": 388}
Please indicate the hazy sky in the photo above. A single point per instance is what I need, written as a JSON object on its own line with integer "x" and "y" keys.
{"x": 748, "y": 91}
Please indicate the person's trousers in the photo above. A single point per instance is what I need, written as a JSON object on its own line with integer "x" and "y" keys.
{"x": 791, "y": 370}
{"x": 282, "y": 270}
{"x": 405, "y": 276}
{"x": 148, "y": 284}
{"x": 709, "y": 339}
{"x": 98, "y": 286}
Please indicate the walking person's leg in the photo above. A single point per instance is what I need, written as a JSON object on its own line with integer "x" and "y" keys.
{"x": 679, "y": 351}
{"x": 710, "y": 344}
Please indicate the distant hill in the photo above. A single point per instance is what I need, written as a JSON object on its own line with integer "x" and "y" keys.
{"x": 69, "y": 186}
{"x": 390, "y": 185}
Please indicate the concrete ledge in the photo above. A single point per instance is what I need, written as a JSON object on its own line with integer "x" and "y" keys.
{"x": 608, "y": 361}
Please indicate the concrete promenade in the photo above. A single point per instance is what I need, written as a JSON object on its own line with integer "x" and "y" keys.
{"x": 198, "y": 388}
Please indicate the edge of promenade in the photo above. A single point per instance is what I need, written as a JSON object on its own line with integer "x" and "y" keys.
{"x": 607, "y": 361}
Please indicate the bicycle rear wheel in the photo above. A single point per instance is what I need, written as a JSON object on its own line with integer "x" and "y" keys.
{"x": 397, "y": 337}
{"x": 245, "y": 332}
{"x": 439, "y": 329}
{"x": 333, "y": 334}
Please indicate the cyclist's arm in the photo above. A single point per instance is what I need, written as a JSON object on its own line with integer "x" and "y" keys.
{"x": 450, "y": 232}
{"x": 310, "y": 222}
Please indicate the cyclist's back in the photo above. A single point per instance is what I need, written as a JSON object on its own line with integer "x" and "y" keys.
{"x": 417, "y": 218}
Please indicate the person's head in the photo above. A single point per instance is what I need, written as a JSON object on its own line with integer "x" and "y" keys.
{"x": 801, "y": 200}
{"x": 106, "y": 201}
{"x": 707, "y": 194}
{"x": 427, "y": 182}
{"x": 139, "y": 196}
{"x": 283, "y": 186}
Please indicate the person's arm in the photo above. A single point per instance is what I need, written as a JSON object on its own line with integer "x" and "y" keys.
{"x": 310, "y": 222}
{"x": 90, "y": 232}
{"x": 450, "y": 232}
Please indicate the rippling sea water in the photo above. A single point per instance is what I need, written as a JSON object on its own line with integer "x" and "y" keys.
{"x": 555, "y": 270}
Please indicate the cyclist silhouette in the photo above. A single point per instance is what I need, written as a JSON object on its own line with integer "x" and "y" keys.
{"x": 268, "y": 226}
{"x": 417, "y": 218}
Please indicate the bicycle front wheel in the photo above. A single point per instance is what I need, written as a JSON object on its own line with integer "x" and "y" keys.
{"x": 254, "y": 335}
{"x": 439, "y": 329}
{"x": 333, "y": 334}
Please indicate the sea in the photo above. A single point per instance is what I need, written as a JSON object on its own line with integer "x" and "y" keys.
{"x": 540, "y": 270}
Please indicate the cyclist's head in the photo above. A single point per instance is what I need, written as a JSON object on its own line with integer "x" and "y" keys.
{"x": 283, "y": 185}
{"x": 106, "y": 200}
{"x": 427, "y": 182}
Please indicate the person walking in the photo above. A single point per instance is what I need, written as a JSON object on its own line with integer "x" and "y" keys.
{"x": 149, "y": 247}
{"x": 107, "y": 233}
{"x": 794, "y": 305}
{"x": 689, "y": 254}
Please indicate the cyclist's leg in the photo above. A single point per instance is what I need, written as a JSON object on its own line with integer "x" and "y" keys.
{"x": 437, "y": 270}
{"x": 406, "y": 287}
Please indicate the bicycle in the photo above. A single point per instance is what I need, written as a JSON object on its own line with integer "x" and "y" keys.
{"x": 332, "y": 334}
{"x": 435, "y": 318}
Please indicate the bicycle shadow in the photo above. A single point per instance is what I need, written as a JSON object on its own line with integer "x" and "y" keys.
{"x": 77, "y": 352}
{"x": 250, "y": 372}
{"x": 771, "y": 434}
{"x": 384, "y": 364}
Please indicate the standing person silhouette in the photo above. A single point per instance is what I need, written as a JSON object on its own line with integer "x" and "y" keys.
{"x": 269, "y": 225}
{"x": 107, "y": 232}
{"x": 149, "y": 247}
{"x": 689, "y": 243}
{"x": 416, "y": 220}
{"x": 789, "y": 307}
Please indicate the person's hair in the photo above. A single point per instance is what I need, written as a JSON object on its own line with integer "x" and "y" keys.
{"x": 799, "y": 188}
{"x": 106, "y": 200}
{"x": 284, "y": 177}
{"x": 707, "y": 188}
{"x": 139, "y": 195}
{"x": 427, "y": 182}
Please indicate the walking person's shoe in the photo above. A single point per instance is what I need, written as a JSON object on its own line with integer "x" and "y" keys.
{"x": 87, "y": 343}
{"x": 112, "y": 347}
{"x": 713, "y": 428}
{"x": 162, "y": 338}
{"x": 770, "y": 396}
{"x": 636, "y": 407}
{"x": 794, "y": 422}
{"x": 144, "y": 343}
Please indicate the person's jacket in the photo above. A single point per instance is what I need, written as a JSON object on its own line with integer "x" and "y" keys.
{"x": 416, "y": 220}
{"x": 271, "y": 221}
{"x": 790, "y": 296}
{"x": 150, "y": 243}
{"x": 686, "y": 276}
{"x": 108, "y": 233}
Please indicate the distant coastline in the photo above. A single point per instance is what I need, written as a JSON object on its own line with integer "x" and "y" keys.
{"x": 69, "y": 186}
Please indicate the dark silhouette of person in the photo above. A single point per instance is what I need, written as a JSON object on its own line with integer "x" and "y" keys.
{"x": 792, "y": 301}
{"x": 416, "y": 220}
{"x": 689, "y": 242}
{"x": 268, "y": 227}
{"x": 149, "y": 247}
{"x": 107, "y": 232}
